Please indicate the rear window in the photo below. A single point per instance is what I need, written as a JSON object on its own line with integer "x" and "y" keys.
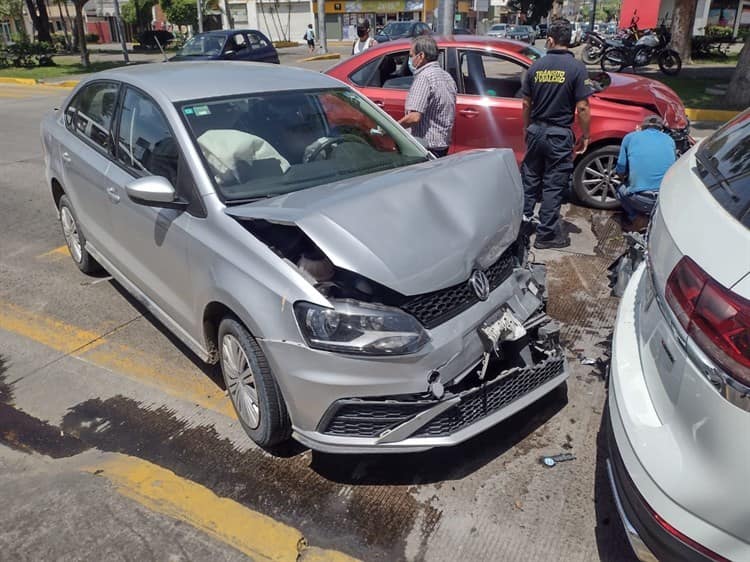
{"x": 724, "y": 166}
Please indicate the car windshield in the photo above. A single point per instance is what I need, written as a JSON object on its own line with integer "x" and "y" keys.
{"x": 497, "y": 27}
{"x": 516, "y": 29}
{"x": 724, "y": 166}
{"x": 533, "y": 53}
{"x": 261, "y": 145}
{"x": 202, "y": 45}
{"x": 397, "y": 28}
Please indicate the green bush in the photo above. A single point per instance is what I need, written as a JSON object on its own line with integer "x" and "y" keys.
{"x": 26, "y": 54}
{"x": 719, "y": 32}
{"x": 92, "y": 38}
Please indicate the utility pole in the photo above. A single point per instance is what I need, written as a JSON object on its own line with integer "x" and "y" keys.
{"x": 593, "y": 15}
{"x": 322, "y": 26}
{"x": 200, "y": 16}
{"x": 446, "y": 17}
{"x": 120, "y": 32}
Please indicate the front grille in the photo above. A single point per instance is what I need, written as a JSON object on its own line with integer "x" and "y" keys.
{"x": 480, "y": 402}
{"x": 432, "y": 309}
{"x": 360, "y": 418}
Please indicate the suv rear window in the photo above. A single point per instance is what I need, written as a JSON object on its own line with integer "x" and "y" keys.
{"x": 724, "y": 166}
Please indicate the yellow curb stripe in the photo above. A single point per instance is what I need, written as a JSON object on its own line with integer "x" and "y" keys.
{"x": 322, "y": 57}
{"x": 24, "y": 81}
{"x": 57, "y": 252}
{"x": 162, "y": 491}
{"x": 695, "y": 114}
{"x": 185, "y": 384}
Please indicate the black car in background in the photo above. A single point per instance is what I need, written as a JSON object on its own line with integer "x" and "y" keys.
{"x": 152, "y": 38}
{"x": 229, "y": 44}
{"x": 402, "y": 29}
{"x": 520, "y": 33}
{"x": 541, "y": 31}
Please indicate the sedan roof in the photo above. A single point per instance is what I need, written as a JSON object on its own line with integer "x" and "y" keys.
{"x": 182, "y": 81}
{"x": 476, "y": 41}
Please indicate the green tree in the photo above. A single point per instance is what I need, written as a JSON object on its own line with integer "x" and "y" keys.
{"x": 180, "y": 12}
{"x": 533, "y": 10}
{"x": 137, "y": 13}
{"x": 11, "y": 9}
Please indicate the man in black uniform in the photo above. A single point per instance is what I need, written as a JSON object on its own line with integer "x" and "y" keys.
{"x": 554, "y": 89}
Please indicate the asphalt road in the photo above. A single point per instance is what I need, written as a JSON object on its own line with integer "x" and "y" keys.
{"x": 116, "y": 443}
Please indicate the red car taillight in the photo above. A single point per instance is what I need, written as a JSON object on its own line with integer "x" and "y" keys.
{"x": 717, "y": 319}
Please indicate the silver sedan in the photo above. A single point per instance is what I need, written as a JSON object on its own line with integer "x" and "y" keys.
{"x": 359, "y": 294}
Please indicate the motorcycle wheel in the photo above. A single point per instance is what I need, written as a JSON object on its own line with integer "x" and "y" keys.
{"x": 591, "y": 54}
{"x": 670, "y": 62}
{"x": 613, "y": 60}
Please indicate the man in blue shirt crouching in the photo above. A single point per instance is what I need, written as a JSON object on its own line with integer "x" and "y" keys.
{"x": 645, "y": 156}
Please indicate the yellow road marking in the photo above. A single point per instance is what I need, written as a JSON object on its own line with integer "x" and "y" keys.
{"x": 248, "y": 531}
{"x": 59, "y": 251}
{"x": 186, "y": 384}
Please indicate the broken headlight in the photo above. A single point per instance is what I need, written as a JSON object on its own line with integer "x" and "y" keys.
{"x": 355, "y": 327}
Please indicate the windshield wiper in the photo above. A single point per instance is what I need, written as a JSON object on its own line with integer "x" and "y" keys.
{"x": 233, "y": 202}
{"x": 707, "y": 162}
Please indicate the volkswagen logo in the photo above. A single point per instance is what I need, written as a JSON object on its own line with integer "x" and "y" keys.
{"x": 481, "y": 285}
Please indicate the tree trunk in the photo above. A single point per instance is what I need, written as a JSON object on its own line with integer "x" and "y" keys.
{"x": 72, "y": 25}
{"x": 81, "y": 32}
{"x": 682, "y": 27}
{"x": 738, "y": 95}
{"x": 43, "y": 31}
{"x": 64, "y": 24}
{"x": 34, "y": 17}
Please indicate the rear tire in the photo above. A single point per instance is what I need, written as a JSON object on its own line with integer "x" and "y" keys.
{"x": 251, "y": 386}
{"x": 591, "y": 54}
{"x": 75, "y": 239}
{"x": 613, "y": 60}
{"x": 594, "y": 180}
{"x": 670, "y": 62}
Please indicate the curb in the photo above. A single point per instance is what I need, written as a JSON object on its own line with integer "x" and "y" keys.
{"x": 35, "y": 82}
{"x": 710, "y": 114}
{"x": 22, "y": 81}
{"x": 328, "y": 56}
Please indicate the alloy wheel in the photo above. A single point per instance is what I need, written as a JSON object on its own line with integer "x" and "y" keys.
{"x": 599, "y": 178}
{"x": 70, "y": 232}
{"x": 240, "y": 380}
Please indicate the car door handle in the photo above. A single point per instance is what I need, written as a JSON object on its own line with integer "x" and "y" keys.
{"x": 379, "y": 103}
{"x": 66, "y": 158}
{"x": 112, "y": 194}
{"x": 469, "y": 112}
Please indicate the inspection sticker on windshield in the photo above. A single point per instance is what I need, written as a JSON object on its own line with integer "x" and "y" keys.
{"x": 187, "y": 110}
{"x": 201, "y": 110}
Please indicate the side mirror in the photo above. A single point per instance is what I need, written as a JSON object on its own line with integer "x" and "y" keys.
{"x": 154, "y": 191}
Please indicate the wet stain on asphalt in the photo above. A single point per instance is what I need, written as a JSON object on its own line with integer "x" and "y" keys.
{"x": 22, "y": 432}
{"x": 363, "y": 505}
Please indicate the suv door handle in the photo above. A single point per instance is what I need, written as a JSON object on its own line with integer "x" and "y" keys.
{"x": 66, "y": 158}
{"x": 112, "y": 194}
{"x": 469, "y": 112}
{"x": 379, "y": 103}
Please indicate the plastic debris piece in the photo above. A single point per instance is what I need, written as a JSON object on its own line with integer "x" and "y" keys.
{"x": 554, "y": 459}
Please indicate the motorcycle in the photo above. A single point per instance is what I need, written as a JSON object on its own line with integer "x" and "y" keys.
{"x": 651, "y": 46}
{"x": 596, "y": 45}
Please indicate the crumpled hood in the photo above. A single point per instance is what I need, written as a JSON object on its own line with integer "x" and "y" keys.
{"x": 632, "y": 89}
{"x": 415, "y": 229}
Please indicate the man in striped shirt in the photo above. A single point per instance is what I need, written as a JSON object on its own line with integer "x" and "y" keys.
{"x": 431, "y": 103}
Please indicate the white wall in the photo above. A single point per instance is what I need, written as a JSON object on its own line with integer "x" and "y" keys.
{"x": 296, "y": 14}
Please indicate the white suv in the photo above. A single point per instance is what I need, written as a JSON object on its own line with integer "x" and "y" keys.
{"x": 679, "y": 397}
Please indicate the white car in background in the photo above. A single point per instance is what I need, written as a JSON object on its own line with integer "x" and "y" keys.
{"x": 498, "y": 30}
{"x": 679, "y": 396}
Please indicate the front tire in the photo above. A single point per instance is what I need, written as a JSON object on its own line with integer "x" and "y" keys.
{"x": 75, "y": 239}
{"x": 594, "y": 181}
{"x": 251, "y": 386}
{"x": 670, "y": 62}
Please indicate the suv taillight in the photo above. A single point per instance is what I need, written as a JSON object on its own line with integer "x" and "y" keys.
{"x": 717, "y": 319}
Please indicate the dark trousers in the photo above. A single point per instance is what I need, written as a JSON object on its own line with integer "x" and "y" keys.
{"x": 547, "y": 166}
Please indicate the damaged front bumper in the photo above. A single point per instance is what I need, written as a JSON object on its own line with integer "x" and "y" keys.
{"x": 346, "y": 404}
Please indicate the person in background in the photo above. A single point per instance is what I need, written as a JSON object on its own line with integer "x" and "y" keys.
{"x": 555, "y": 88}
{"x": 310, "y": 37}
{"x": 431, "y": 104}
{"x": 645, "y": 156}
{"x": 364, "y": 41}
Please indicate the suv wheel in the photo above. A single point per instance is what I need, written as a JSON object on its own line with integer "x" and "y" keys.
{"x": 594, "y": 180}
{"x": 251, "y": 386}
{"x": 75, "y": 239}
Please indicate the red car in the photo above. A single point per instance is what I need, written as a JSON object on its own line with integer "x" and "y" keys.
{"x": 488, "y": 73}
